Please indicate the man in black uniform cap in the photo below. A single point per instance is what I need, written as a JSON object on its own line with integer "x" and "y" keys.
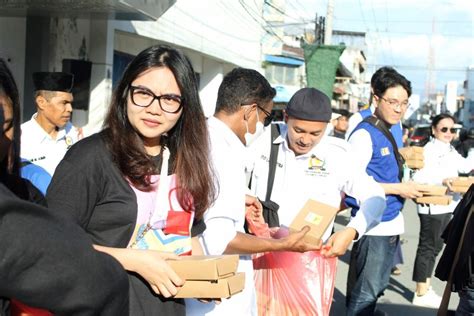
{"x": 49, "y": 133}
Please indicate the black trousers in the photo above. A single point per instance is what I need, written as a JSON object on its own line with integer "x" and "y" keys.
{"x": 49, "y": 262}
{"x": 429, "y": 244}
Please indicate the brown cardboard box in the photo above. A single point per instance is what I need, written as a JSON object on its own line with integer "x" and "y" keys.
{"x": 414, "y": 156}
{"x": 459, "y": 189}
{"x": 439, "y": 200}
{"x": 414, "y": 164}
{"x": 463, "y": 182}
{"x": 412, "y": 153}
{"x": 205, "y": 267}
{"x": 221, "y": 288}
{"x": 428, "y": 189}
{"x": 317, "y": 216}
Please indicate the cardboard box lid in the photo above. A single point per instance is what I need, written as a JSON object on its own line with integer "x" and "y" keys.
{"x": 205, "y": 267}
{"x": 428, "y": 189}
{"x": 438, "y": 200}
{"x": 317, "y": 216}
{"x": 221, "y": 288}
{"x": 463, "y": 181}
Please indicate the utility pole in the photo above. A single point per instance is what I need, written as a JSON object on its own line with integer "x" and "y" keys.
{"x": 430, "y": 86}
{"x": 329, "y": 17}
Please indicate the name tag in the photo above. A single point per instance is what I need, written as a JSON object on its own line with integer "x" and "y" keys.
{"x": 385, "y": 151}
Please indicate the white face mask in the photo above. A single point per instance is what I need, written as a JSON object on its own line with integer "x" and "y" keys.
{"x": 250, "y": 138}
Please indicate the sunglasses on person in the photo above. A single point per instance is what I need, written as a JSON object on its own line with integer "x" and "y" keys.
{"x": 268, "y": 116}
{"x": 445, "y": 130}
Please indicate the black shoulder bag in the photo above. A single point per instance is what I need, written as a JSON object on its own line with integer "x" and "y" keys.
{"x": 270, "y": 208}
{"x": 372, "y": 120}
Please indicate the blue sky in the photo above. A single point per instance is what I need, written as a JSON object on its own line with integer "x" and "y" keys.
{"x": 400, "y": 33}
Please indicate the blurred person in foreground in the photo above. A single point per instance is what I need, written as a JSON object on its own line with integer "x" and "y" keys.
{"x": 375, "y": 150}
{"x": 442, "y": 164}
{"x": 40, "y": 265}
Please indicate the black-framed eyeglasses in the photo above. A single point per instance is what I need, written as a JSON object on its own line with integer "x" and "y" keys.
{"x": 268, "y": 116}
{"x": 144, "y": 97}
{"x": 445, "y": 130}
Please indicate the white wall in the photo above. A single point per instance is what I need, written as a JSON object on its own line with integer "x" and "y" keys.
{"x": 216, "y": 37}
{"x": 12, "y": 48}
{"x": 211, "y": 78}
{"x": 451, "y": 93}
{"x": 69, "y": 39}
{"x": 220, "y": 29}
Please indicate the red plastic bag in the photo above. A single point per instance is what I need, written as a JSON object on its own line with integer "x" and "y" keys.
{"x": 20, "y": 309}
{"x": 292, "y": 283}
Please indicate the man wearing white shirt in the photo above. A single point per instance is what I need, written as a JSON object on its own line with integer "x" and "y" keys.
{"x": 49, "y": 134}
{"x": 302, "y": 141}
{"x": 372, "y": 256}
{"x": 244, "y": 104}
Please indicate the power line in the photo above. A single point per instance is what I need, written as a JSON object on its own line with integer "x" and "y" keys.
{"x": 269, "y": 31}
{"x": 424, "y": 68}
{"x": 411, "y": 21}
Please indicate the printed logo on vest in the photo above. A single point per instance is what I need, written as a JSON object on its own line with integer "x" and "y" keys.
{"x": 385, "y": 151}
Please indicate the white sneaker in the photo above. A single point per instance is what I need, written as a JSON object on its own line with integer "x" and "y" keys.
{"x": 430, "y": 299}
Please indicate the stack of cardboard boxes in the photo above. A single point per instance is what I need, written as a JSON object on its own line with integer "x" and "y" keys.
{"x": 462, "y": 184}
{"x": 433, "y": 194}
{"x": 209, "y": 277}
{"x": 414, "y": 158}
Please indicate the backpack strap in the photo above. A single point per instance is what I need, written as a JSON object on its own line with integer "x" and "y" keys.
{"x": 380, "y": 125}
{"x": 275, "y": 132}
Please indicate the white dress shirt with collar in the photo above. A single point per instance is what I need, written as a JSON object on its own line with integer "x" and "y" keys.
{"x": 442, "y": 161}
{"x": 225, "y": 218}
{"x": 323, "y": 174}
{"x": 40, "y": 148}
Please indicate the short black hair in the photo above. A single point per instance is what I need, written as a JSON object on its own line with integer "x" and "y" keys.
{"x": 243, "y": 86}
{"x": 386, "y": 78}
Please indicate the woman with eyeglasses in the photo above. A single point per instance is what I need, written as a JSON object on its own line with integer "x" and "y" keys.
{"x": 442, "y": 164}
{"x": 140, "y": 187}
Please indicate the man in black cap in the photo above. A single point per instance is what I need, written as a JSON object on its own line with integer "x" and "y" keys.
{"x": 310, "y": 165}
{"x": 47, "y": 136}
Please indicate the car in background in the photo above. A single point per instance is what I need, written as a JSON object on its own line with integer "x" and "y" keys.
{"x": 420, "y": 135}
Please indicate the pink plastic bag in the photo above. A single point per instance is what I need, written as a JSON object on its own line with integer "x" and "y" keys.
{"x": 292, "y": 283}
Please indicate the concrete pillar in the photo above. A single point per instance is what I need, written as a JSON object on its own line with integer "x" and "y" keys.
{"x": 211, "y": 78}
{"x": 101, "y": 55}
{"x": 12, "y": 48}
{"x": 36, "y": 58}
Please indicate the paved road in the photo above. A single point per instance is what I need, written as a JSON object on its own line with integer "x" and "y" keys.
{"x": 398, "y": 296}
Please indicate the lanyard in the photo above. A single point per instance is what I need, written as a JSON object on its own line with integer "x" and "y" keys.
{"x": 162, "y": 206}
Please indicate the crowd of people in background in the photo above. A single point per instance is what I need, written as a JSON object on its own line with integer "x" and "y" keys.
{"x": 88, "y": 224}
